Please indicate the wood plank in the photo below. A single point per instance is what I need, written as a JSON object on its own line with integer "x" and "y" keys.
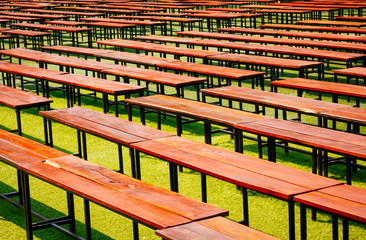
{"x": 217, "y": 228}
{"x": 276, "y": 100}
{"x": 103, "y": 125}
{"x": 159, "y": 197}
{"x": 193, "y": 109}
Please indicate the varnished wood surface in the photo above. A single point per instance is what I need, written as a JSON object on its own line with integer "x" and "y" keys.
{"x": 226, "y": 72}
{"x": 16, "y": 150}
{"x": 277, "y": 100}
{"x": 148, "y": 193}
{"x": 28, "y": 33}
{"x": 17, "y": 98}
{"x": 253, "y": 173}
{"x": 265, "y": 61}
{"x": 355, "y": 71}
{"x": 189, "y": 108}
{"x": 134, "y": 58}
{"x": 108, "y": 127}
{"x": 105, "y": 196}
{"x": 154, "y": 76}
{"x": 343, "y": 56}
{"x": 338, "y": 205}
{"x": 322, "y": 86}
{"x": 328, "y": 36}
{"x": 97, "y": 84}
{"x": 283, "y": 41}
{"x": 50, "y": 27}
{"x": 29, "y": 71}
{"x": 332, "y": 23}
{"x": 323, "y": 138}
{"x": 158, "y": 48}
{"x": 314, "y": 28}
{"x": 76, "y": 50}
{"x": 217, "y": 228}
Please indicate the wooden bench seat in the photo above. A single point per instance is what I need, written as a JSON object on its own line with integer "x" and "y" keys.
{"x": 117, "y": 130}
{"x": 342, "y": 89}
{"x": 160, "y": 78}
{"x": 256, "y": 49}
{"x": 36, "y": 37}
{"x": 345, "y": 144}
{"x": 111, "y": 30}
{"x": 143, "y": 24}
{"x": 358, "y": 47}
{"x": 57, "y": 32}
{"x": 323, "y": 111}
{"x": 144, "y": 203}
{"x": 212, "y": 70}
{"x": 161, "y": 63}
{"x": 208, "y": 113}
{"x": 103, "y": 68}
{"x": 319, "y": 139}
{"x": 19, "y": 100}
{"x": 275, "y": 100}
{"x": 292, "y": 34}
{"x": 303, "y": 67}
{"x": 262, "y": 176}
{"x": 103, "y": 86}
{"x": 249, "y": 172}
{"x": 355, "y": 72}
{"x": 343, "y": 201}
{"x": 218, "y": 228}
{"x": 358, "y": 31}
{"x": 10, "y": 72}
{"x": 153, "y": 47}
{"x": 332, "y": 23}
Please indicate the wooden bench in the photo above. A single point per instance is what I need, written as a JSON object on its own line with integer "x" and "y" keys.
{"x": 293, "y": 34}
{"x": 343, "y": 201}
{"x": 332, "y": 23}
{"x": 355, "y": 72}
{"x": 248, "y": 172}
{"x": 57, "y": 32}
{"x": 116, "y": 130}
{"x": 163, "y": 63}
{"x": 303, "y": 67}
{"x": 177, "y": 52}
{"x": 342, "y": 89}
{"x": 36, "y": 37}
{"x": 358, "y": 47}
{"x": 218, "y": 228}
{"x": 208, "y": 113}
{"x": 143, "y": 24}
{"x": 112, "y": 30}
{"x": 103, "y": 68}
{"x": 320, "y": 140}
{"x": 144, "y": 203}
{"x": 11, "y": 72}
{"x": 19, "y": 100}
{"x": 106, "y": 87}
{"x": 277, "y": 51}
{"x": 357, "y": 31}
{"x": 317, "y": 138}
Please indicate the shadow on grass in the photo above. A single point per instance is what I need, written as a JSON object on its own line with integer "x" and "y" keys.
{"x": 12, "y": 214}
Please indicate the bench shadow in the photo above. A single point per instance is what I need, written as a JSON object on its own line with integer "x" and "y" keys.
{"x": 14, "y": 215}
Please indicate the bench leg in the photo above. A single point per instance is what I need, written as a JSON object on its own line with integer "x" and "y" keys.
{"x": 135, "y": 230}
{"x": 120, "y": 158}
{"x": 303, "y": 222}
{"x": 291, "y": 218}
{"x": 335, "y": 226}
{"x": 19, "y": 123}
{"x": 27, "y": 205}
{"x": 87, "y": 219}
{"x": 71, "y": 211}
{"x": 204, "y": 187}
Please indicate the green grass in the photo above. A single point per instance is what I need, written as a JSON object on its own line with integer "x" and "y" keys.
{"x": 267, "y": 214}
